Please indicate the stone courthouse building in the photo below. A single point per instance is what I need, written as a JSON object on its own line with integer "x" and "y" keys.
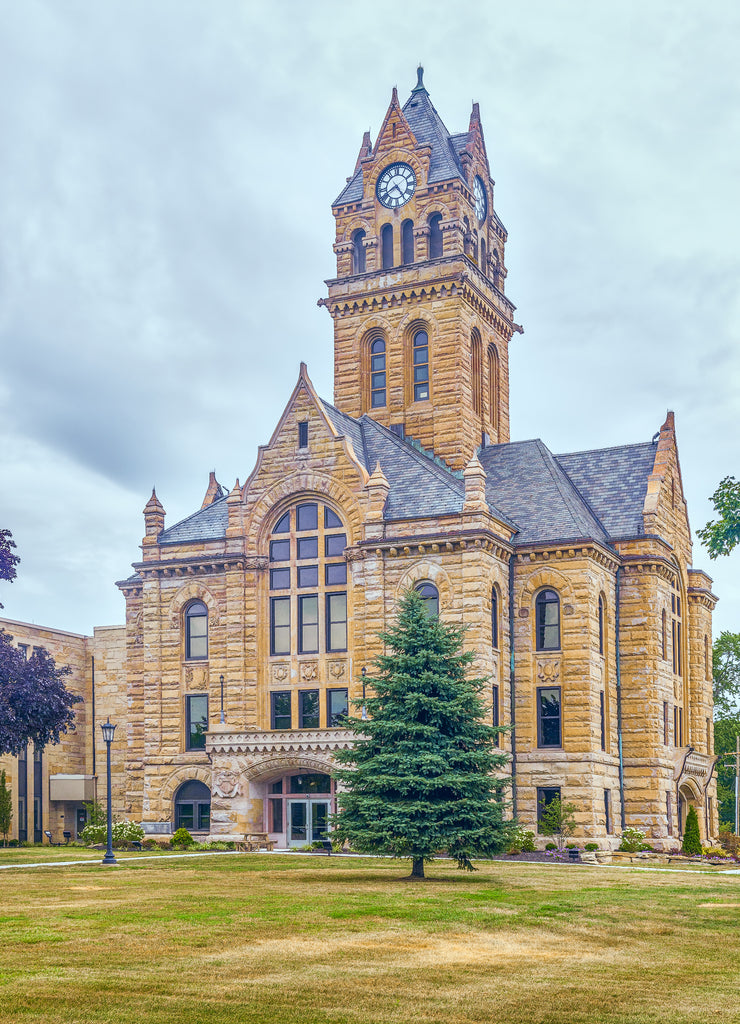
{"x": 250, "y": 625}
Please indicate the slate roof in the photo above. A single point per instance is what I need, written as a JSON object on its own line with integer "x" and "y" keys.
{"x": 614, "y": 483}
{"x": 429, "y": 129}
{"x": 597, "y": 495}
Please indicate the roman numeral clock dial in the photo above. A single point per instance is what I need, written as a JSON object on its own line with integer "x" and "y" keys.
{"x": 396, "y": 185}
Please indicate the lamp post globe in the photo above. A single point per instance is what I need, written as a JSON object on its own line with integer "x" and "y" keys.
{"x": 108, "y": 731}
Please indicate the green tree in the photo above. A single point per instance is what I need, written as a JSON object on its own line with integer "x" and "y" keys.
{"x": 96, "y": 813}
{"x": 720, "y": 536}
{"x": 8, "y": 560}
{"x": 558, "y": 819}
{"x": 6, "y": 808}
{"x": 691, "y": 844}
{"x": 726, "y": 674}
{"x": 420, "y": 777}
{"x": 726, "y": 731}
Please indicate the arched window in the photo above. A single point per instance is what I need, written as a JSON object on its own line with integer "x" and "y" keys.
{"x": 430, "y": 596}
{"x": 386, "y": 246}
{"x": 493, "y": 386}
{"x": 601, "y": 624}
{"x": 193, "y": 806}
{"x": 196, "y": 630}
{"x": 407, "y": 241}
{"x": 436, "y": 241}
{"x": 358, "y": 252}
{"x": 547, "y": 611}
{"x": 474, "y": 247}
{"x": 377, "y": 373}
{"x": 476, "y": 382}
{"x": 483, "y": 256}
{"x": 467, "y": 237}
{"x": 421, "y": 366}
{"x": 494, "y": 618}
{"x": 496, "y": 268}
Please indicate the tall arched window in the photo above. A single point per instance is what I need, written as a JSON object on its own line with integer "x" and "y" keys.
{"x": 601, "y": 624}
{"x": 386, "y": 246}
{"x": 476, "y": 382}
{"x": 196, "y": 630}
{"x": 483, "y": 256}
{"x": 494, "y": 618}
{"x": 377, "y": 373}
{"x": 193, "y": 806}
{"x": 547, "y": 612}
{"x": 421, "y": 366}
{"x": 430, "y": 596}
{"x": 358, "y": 252}
{"x": 436, "y": 242}
{"x": 467, "y": 237}
{"x": 496, "y": 268}
{"x": 407, "y": 241}
{"x": 493, "y": 386}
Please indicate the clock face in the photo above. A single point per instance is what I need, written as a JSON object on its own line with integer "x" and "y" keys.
{"x": 396, "y": 185}
{"x": 481, "y": 203}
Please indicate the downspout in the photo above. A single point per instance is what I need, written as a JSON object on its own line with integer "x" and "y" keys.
{"x": 619, "y": 701}
{"x": 92, "y": 730}
{"x": 512, "y": 686}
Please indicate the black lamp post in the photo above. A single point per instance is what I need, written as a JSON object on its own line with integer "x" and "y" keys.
{"x": 108, "y": 731}
{"x": 364, "y": 709}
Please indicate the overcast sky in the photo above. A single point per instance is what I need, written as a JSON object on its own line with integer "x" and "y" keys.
{"x": 166, "y": 176}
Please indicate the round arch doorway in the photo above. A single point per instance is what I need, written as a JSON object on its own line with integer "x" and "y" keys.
{"x": 193, "y": 806}
{"x": 298, "y": 806}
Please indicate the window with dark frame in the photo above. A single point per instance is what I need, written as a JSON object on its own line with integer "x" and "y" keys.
{"x": 280, "y": 711}
{"x": 430, "y": 598}
{"x": 279, "y": 625}
{"x": 664, "y": 636}
{"x": 603, "y": 719}
{"x": 407, "y": 242}
{"x": 337, "y": 707}
{"x": 303, "y": 434}
{"x": 421, "y": 366}
{"x": 386, "y": 246}
{"x": 196, "y": 721}
{"x": 608, "y": 811}
{"x": 358, "y": 252}
{"x": 308, "y": 709}
{"x": 676, "y": 623}
{"x": 676, "y": 742}
{"x": 336, "y": 622}
{"x": 545, "y": 796}
{"x": 549, "y": 724}
{"x": 547, "y": 612}
{"x": 377, "y": 374}
{"x": 436, "y": 238}
{"x": 196, "y": 631}
{"x": 666, "y": 726}
{"x": 308, "y": 623}
{"x": 494, "y": 618}
{"x": 601, "y": 624}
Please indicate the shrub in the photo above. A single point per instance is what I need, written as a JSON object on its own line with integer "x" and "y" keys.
{"x": 633, "y": 840}
{"x": 124, "y": 832}
{"x": 591, "y": 847}
{"x": 182, "y": 839}
{"x": 149, "y": 844}
{"x": 551, "y": 846}
{"x": 716, "y": 852}
{"x": 691, "y": 845}
{"x": 522, "y": 841}
{"x": 571, "y": 846}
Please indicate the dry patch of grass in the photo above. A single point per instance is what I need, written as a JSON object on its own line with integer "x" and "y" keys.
{"x": 268, "y": 939}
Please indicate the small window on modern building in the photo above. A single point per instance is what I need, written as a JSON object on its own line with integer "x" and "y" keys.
{"x": 358, "y": 252}
{"x": 280, "y": 717}
{"x": 545, "y": 796}
{"x": 407, "y": 242}
{"x": 337, "y": 707}
{"x": 547, "y": 609}
{"x": 308, "y": 709}
{"x": 430, "y": 598}
{"x": 436, "y": 238}
{"x": 421, "y": 366}
{"x": 549, "y": 724}
{"x": 377, "y": 374}
{"x": 386, "y": 246}
{"x": 196, "y": 721}
{"x": 196, "y": 631}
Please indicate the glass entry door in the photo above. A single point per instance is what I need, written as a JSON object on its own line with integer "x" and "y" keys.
{"x": 308, "y": 821}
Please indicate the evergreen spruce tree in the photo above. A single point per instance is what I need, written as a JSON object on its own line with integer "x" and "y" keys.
{"x": 691, "y": 845}
{"x": 420, "y": 777}
{"x": 6, "y": 808}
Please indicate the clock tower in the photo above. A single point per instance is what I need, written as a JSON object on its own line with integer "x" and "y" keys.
{"x": 421, "y": 322}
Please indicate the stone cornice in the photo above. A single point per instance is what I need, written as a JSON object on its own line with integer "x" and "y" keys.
{"x": 295, "y": 741}
{"x": 585, "y": 548}
{"x": 698, "y": 595}
{"x": 436, "y": 543}
{"x": 650, "y": 565}
{"x": 203, "y": 566}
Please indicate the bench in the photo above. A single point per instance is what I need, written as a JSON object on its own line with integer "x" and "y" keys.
{"x": 254, "y": 841}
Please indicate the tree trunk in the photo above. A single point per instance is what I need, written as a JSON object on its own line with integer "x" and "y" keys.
{"x": 417, "y": 867}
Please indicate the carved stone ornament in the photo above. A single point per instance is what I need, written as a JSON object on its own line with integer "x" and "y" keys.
{"x": 548, "y": 671}
{"x": 188, "y": 675}
{"x": 337, "y": 669}
{"x": 309, "y": 671}
{"x": 226, "y": 784}
{"x": 280, "y": 672}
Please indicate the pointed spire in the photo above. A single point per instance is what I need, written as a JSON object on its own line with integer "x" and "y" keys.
{"x": 378, "y": 490}
{"x": 474, "y": 117}
{"x": 365, "y": 151}
{"x": 214, "y": 492}
{"x": 153, "y": 517}
{"x": 419, "y": 87}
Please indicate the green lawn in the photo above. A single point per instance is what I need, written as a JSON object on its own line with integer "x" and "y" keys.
{"x": 257, "y": 938}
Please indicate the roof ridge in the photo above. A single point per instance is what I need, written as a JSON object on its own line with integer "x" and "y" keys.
{"x": 566, "y": 493}
{"x": 608, "y": 448}
{"x": 403, "y": 444}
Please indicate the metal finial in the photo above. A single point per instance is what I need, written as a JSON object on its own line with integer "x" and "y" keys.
{"x": 419, "y": 87}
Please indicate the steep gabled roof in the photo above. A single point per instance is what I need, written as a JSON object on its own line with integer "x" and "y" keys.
{"x": 614, "y": 482}
{"x": 207, "y": 523}
{"x": 525, "y": 481}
